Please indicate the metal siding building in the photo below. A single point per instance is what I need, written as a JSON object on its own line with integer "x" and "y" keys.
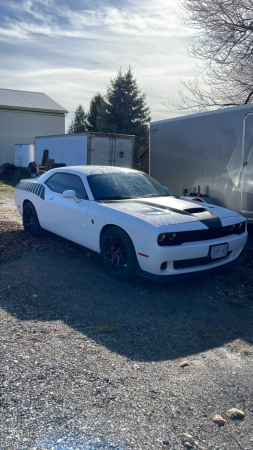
{"x": 25, "y": 115}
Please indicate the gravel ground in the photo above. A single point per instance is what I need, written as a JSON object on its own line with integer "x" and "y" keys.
{"x": 88, "y": 362}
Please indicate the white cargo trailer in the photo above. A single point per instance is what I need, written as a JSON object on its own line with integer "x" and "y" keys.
{"x": 87, "y": 148}
{"x": 23, "y": 154}
{"x": 212, "y": 150}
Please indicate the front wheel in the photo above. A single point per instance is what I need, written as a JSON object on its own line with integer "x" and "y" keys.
{"x": 118, "y": 254}
{"x": 30, "y": 221}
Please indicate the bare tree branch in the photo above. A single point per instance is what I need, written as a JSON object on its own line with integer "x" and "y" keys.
{"x": 223, "y": 41}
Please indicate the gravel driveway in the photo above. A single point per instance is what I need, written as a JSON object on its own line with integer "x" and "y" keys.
{"x": 88, "y": 362}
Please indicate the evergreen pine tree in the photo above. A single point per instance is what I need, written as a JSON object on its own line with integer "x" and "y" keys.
{"x": 95, "y": 103}
{"x": 79, "y": 123}
{"x": 124, "y": 109}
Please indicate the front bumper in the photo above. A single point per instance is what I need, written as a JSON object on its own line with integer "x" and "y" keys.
{"x": 180, "y": 276}
{"x": 159, "y": 261}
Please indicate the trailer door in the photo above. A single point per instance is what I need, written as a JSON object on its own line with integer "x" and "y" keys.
{"x": 247, "y": 170}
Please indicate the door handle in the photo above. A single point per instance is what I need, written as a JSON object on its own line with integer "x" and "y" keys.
{"x": 51, "y": 198}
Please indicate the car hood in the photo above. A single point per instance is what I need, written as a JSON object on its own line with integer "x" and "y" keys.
{"x": 162, "y": 211}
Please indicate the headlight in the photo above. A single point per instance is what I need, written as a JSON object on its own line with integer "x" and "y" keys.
{"x": 232, "y": 227}
{"x": 161, "y": 237}
{"x": 239, "y": 226}
{"x": 164, "y": 238}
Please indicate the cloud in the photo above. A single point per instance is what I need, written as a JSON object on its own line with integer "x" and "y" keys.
{"x": 60, "y": 20}
{"x": 70, "y": 50}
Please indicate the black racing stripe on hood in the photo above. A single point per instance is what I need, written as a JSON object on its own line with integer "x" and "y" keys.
{"x": 210, "y": 222}
{"x": 213, "y": 222}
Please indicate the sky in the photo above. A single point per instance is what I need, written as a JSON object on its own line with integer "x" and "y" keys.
{"x": 71, "y": 49}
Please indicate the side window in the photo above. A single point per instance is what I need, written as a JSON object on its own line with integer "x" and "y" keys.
{"x": 52, "y": 181}
{"x": 67, "y": 181}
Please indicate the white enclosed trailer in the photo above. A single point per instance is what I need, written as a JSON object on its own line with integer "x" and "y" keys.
{"x": 213, "y": 150}
{"x": 87, "y": 148}
{"x": 23, "y": 154}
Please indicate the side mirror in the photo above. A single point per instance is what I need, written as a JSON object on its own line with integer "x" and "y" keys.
{"x": 71, "y": 194}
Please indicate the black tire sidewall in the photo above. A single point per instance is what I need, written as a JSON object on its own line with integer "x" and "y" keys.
{"x": 130, "y": 270}
{"x": 37, "y": 230}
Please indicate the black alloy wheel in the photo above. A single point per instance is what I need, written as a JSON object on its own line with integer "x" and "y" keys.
{"x": 118, "y": 254}
{"x": 30, "y": 221}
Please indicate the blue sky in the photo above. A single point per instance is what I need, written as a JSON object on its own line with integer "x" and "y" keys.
{"x": 71, "y": 49}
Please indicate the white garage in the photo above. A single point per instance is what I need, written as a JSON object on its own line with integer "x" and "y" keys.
{"x": 25, "y": 115}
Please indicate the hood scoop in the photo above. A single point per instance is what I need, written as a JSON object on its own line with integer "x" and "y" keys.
{"x": 204, "y": 215}
{"x": 195, "y": 210}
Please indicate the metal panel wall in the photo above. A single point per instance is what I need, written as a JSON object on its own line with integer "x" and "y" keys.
{"x": 21, "y": 127}
{"x": 204, "y": 150}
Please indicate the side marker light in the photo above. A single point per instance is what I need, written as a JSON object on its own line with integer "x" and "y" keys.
{"x": 143, "y": 254}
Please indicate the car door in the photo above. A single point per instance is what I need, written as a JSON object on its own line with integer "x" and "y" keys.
{"x": 66, "y": 217}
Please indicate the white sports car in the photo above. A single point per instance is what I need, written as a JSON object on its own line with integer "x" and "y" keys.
{"x": 132, "y": 220}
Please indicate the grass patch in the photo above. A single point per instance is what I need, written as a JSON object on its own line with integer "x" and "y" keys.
{"x": 4, "y": 318}
{"x": 5, "y": 187}
{"x": 246, "y": 351}
{"x": 109, "y": 330}
{"x": 11, "y": 179}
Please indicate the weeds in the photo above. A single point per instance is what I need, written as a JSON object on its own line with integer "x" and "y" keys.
{"x": 109, "y": 330}
{"x": 246, "y": 351}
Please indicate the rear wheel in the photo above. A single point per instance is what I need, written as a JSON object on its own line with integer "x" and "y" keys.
{"x": 118, "y": 254}
{"x": 30, "y": 221}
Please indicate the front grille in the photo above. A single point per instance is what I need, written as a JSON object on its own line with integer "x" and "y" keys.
{"x": 201, "y": 235}
{"x": 195, "y": 262}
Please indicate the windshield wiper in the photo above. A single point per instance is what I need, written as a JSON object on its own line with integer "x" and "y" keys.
{"x": 114, "y": 197}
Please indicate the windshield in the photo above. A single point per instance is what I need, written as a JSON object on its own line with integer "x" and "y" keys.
{"x": 119, "y": 186}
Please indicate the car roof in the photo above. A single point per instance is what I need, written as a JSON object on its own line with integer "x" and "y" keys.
{"x": 93, "y": 170}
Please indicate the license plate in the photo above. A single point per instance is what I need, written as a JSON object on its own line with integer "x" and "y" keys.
{"x": 219, "y": 251}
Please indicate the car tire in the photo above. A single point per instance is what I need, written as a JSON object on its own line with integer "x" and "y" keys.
{"x": 30, "y": 221}
{"x": 118, "y": 254}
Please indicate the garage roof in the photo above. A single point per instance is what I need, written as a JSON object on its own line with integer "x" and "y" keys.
{"x": 28, "y": 101}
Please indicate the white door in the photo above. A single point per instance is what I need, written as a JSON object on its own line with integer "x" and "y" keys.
{"x": 64, "y": 216}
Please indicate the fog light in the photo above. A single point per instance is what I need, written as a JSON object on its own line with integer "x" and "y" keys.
{"x": 161, "y": 237}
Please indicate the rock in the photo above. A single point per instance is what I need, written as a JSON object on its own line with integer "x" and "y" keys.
{"x": 184, "y": 363}
{"x": 200, "y": 446}
{"x": 220, "y": 419}
{"x": 188, "y": 438}
{"x": 236, "y": 413}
